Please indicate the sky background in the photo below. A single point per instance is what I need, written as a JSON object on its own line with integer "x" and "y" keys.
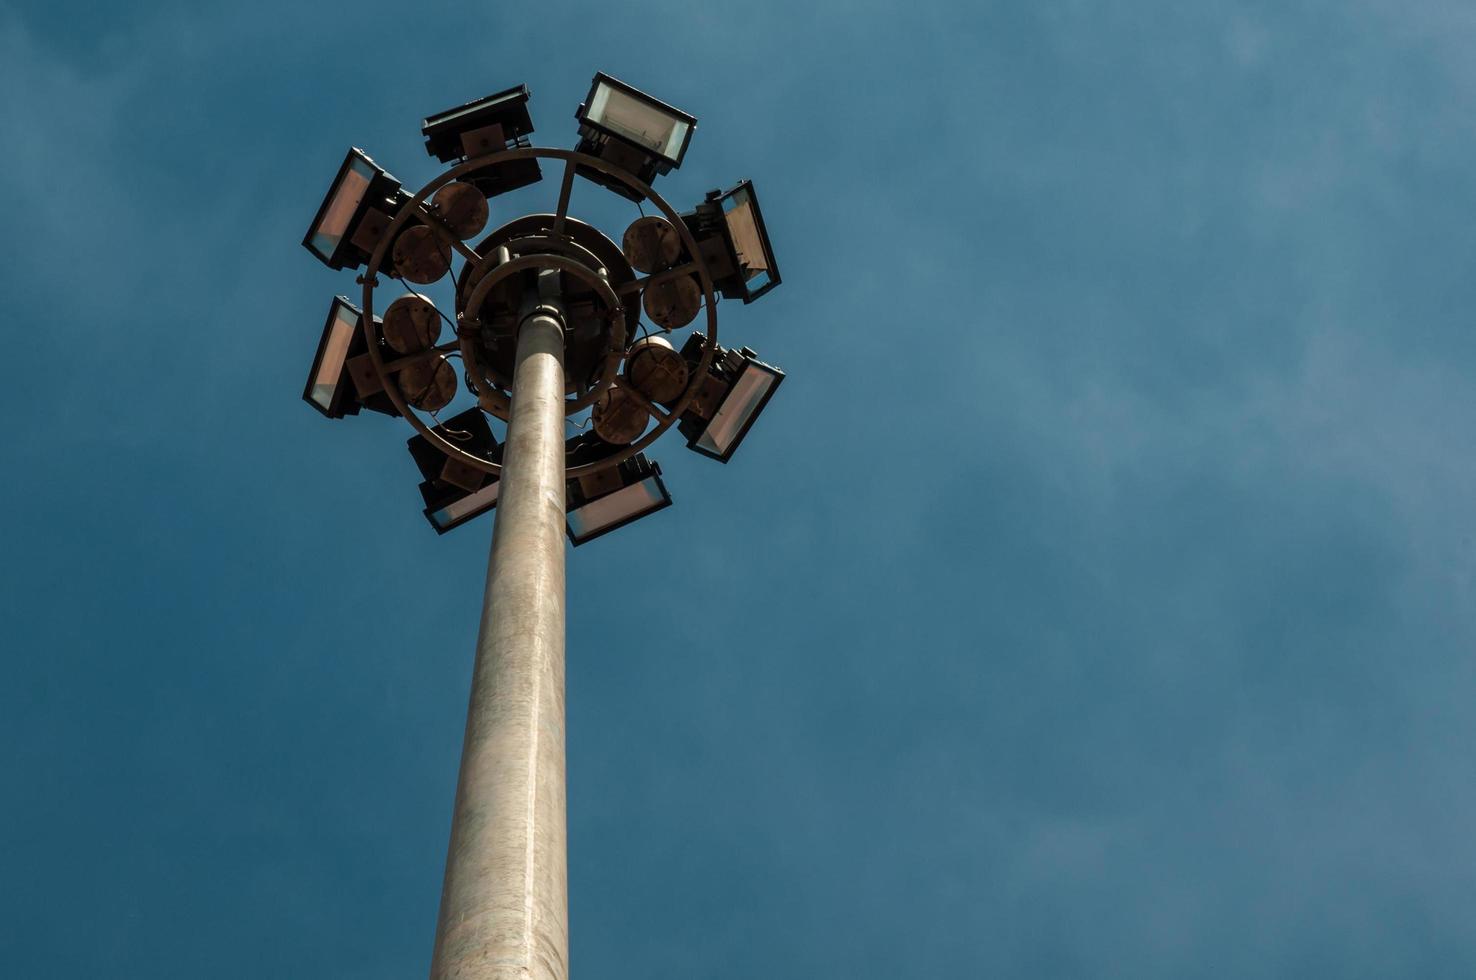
{"x": 1093, "y": 600}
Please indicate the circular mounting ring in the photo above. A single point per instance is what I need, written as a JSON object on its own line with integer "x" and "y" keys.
{"x": 416, "y": 207}
{"x": 616, "y": 312}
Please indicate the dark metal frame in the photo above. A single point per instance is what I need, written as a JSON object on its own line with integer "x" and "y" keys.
{"x": 336, "y": 409}
{"x": 743, "y": 292}
{"x": 615, "y": 313}
{"x": 694, "y": 428}
{"x": 347, "y": 398}
{"x": 440, "y": 497}
{"x": 638, "y": 467}
{"x": 433, "y": 463}
{"x": 415, "y": 209}
{"x": 440, "y": 490}
{"x": 507, "y": 109}
{"x": 666, "y": 163}
{"x": 382, "y": 187}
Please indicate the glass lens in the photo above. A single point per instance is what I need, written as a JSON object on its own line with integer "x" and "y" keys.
{"x": 733, "y": 414}
{"x": 611, "y": 509}
{"x": 340, "y": 211}
{"x": 675, "y": 139}
{"x": 640, "y": 122}
{"x": 472, "y": 503}
{"x": 335, "y": 352}
{"x": 748, "y": 240}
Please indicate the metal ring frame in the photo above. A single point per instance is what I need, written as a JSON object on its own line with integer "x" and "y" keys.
{"x": 416, "y": 207}
{"x": 614, "y": 351}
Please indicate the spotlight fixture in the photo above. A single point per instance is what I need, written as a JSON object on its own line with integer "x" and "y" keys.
{"x": 737, "y": 387}
{"x": 628, "y": 128}
{"x": 729, "y": 228}
{"x": 613, "y": 498}
{"x": 455, "y": 491}
{"x": 333, "y": 387}
{"x": 489, "y": 125}
{"x": 354, "y": 215}
{"x": 447, "y": 508}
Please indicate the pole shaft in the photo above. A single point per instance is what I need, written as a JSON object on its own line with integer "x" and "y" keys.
{"x": 504, "y": 904}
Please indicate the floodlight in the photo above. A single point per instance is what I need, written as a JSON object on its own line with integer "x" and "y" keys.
{"x": 729, "y": 228}
{"x": 455, "y": 491}
{"x": 613, "y": 498}
{"x": 331, "y": 386}
{"x": 737, "y": 388}
{"x": 448, "y": 507}
{"x": 352, "y": 218}
{"x": 489, "y": 125}
{"x": 628, "y": 128}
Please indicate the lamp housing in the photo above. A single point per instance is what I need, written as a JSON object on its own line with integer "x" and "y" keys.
{"x": 730, "y": 230}
{"x": 358, "y": 208}
{"x": 730, "y": 399}
{"x": 454, "y": 491}
{"x": 498, "y": 122}
{"x": 342, "y": 379}
{"x": 586, "y": 448}
{"x": 612, "y": 498}
{"x": 447, "y": 508}
{"x": 631, "y": 130}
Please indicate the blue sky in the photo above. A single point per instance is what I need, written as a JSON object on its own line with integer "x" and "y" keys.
{"x": 1094, "y": 600}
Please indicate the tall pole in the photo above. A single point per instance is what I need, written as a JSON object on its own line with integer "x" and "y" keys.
{"x": 504, "y": 905}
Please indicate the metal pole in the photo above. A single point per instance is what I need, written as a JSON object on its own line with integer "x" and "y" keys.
{"x": 504, "y": 904}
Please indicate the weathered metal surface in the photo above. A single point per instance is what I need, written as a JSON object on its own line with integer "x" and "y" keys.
{"x": 655, "y": 369}
{"x": 420, "y": 255}
{"x": 463, "y": 208}
{"x": 673, "y": 303}
{"x": 504, "y": 904}
{"x": 651, "y": 244}
{"x": 619, "y": 419}
{"x": 486, "y": 282}
{"x": 411, "y": 324}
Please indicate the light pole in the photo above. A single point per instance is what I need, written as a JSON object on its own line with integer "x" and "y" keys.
{"x": 548, "y": 328}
